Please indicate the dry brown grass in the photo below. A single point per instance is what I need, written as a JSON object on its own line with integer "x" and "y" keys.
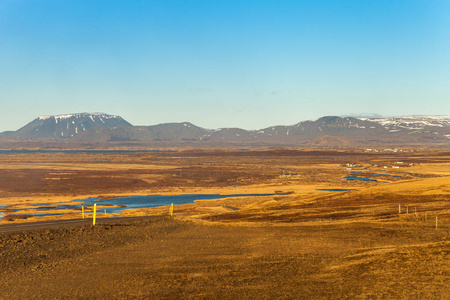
{"x": 14, "y": 217}
{"x": 306, "y": 244}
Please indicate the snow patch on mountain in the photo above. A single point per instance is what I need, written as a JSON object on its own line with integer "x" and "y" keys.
{"x": 412, "y": 122}
{"x": 67, "y": 125}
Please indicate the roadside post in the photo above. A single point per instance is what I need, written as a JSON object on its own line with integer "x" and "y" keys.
{"x": 94, "y": 215}
{"x": 171, "y": 210}
{"x": 82, "y": 212}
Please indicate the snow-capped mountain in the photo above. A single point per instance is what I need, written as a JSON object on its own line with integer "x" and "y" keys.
{"x": 330, "y": 131}
{"x": 425, "y": 127}
{"x": 66, "y": 126}
{"x": 412, "y": 122}
{"x": 330, "y": 125}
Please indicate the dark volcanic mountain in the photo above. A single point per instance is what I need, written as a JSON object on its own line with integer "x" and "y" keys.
{"x": 332, "y": 126}
{"x": 65, "y": 126}
{"x": 328, "y": 131}
{"x": 162, "y": 132}
{"x": 231, "y": 134}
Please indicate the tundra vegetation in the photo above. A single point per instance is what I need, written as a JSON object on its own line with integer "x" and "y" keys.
{"x": 383, "y": 239}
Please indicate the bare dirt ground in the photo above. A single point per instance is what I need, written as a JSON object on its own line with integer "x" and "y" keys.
{"x": 307, "y": 244}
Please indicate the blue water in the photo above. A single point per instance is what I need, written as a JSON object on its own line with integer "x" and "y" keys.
{"x": 363, "y": 179}
{"x": 336, "y": 190}
{"x": 132, "y": 202}
{"x": 46, "y": 207}
{"x": 375, "y": 174}
{"x": 86, "y": 151}
{"x": 359, "y": 178}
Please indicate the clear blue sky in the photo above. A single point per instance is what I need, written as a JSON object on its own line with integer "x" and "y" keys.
{"x": 247, "y": 63}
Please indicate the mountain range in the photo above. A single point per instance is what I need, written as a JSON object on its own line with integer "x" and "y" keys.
{"x": 329, "y": 131}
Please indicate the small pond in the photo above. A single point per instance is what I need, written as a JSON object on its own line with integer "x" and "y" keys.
{"x": 374, "y": 174}
{"x": 118, "y": 205}
{"x": 363, "y": 179}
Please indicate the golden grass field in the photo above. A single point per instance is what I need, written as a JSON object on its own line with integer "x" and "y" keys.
{"x": 379, "y": 241}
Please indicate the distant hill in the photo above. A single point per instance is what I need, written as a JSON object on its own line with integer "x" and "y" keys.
{"x": 329, "y": 131}
{"x": 330, "y": 126}
{"x": 162, "y": 132}
{"x": 65, "y": 126}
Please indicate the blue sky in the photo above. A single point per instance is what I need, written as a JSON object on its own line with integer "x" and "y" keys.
{"x": 248, "y": 64}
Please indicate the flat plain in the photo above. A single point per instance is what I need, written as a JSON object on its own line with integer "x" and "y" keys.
{"x": 375, "y": 239}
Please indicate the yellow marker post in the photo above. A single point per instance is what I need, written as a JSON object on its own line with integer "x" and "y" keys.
{"x": 106, "y": 214}
{"x": 82, "y": 212}
{"x": 95, "y": 212}
{"x": 171, "y": 210}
